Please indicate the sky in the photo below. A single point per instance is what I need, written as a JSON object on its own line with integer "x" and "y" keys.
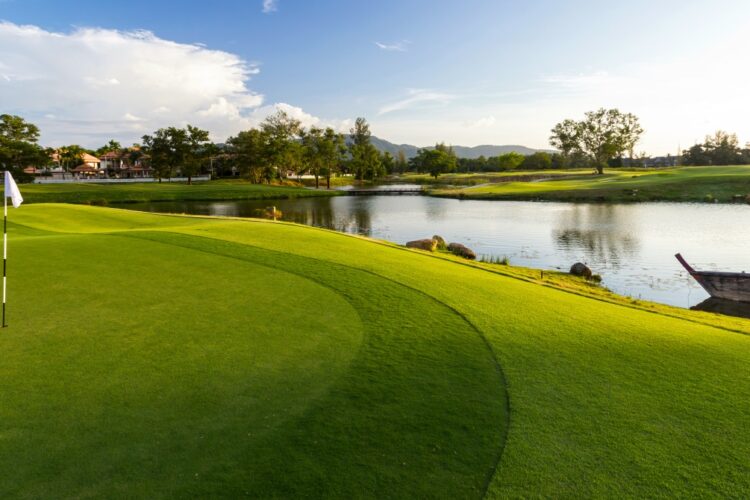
{"x": 464, "y": 72}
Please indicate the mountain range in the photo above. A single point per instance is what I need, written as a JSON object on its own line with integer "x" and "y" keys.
{"x": 486, "y": 150}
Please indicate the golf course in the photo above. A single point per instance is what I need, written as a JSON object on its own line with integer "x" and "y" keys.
{"x": 679, "y": 184}
{"x": 165, "y": 356}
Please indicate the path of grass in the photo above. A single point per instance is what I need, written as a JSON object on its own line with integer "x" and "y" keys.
{"x": 723, "y": 184}
{"x": 91, "y": 193}
{"x": 311, "y": 362}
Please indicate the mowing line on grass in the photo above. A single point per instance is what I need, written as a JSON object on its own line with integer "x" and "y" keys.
{"x": 493, "y": 355}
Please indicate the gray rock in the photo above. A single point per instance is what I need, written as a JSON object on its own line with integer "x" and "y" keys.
{"x": 581, "y": 269}
{"x": 462, "y": 251}
{"x": 427, "y": 244}
{"x": 440, "y": 242}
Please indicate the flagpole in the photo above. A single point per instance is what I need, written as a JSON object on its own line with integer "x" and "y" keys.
{"x": 5, "y": 242}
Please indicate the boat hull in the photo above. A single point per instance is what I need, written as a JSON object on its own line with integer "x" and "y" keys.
{"x": 727, "y": 286}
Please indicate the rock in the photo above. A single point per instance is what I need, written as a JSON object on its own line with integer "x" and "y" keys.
{"x": 462, "y": 251}
{"x": 427, "y": 244}
{"x": 580, "y": 269}
{"x": 440, "y": 242}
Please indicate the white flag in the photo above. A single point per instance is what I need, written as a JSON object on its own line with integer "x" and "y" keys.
{"x": 11, "y": 190}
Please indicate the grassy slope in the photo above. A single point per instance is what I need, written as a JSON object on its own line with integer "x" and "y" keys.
{"x": 165, "y": 191}
{"x": 396, "y": 392}
{"x": 676, "y": 184}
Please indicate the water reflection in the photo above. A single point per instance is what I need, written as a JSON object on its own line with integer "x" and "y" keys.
{"x": 602, "y": 232}
{"x": 630, "y": 245}
{"x": 726, "y": 307}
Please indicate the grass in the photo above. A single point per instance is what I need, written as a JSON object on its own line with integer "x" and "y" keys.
{"x": 702, "y": 184}
{"x": 474, "y": 179}
{"x": 103, "y": 194}
{"x": 162, "y": 356}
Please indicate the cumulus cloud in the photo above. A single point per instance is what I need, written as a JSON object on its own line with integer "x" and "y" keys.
{"x": 93, "y": 84}
{"x": 393, "y": 47}
{"x": 270, "y": 6}
{"x": 417, "y": 97}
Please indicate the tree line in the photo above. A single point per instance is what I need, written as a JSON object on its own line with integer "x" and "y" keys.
{"x": 281, "y": 147}
{"x": 722, "y": 148}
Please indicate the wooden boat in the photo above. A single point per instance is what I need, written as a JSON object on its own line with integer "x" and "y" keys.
{"x": 721, "y": 285}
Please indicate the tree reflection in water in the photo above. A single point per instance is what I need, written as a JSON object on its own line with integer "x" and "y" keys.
{"x": 601, "y": 233}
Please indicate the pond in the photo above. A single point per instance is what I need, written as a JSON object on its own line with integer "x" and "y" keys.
{"x": 631, "y": 246}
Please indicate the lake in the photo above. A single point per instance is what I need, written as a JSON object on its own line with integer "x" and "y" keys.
{"x": 631, "y": 246}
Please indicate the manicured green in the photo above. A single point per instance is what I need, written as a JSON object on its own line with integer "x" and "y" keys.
{"x": 90, "y": 193}
{"x": 167, "y": 356}
{"x": 474, "y": 179}
{"x": 705, "y": 184}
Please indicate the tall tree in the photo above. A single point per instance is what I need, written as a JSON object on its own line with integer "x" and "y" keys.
{"x": 365, "y": 158}
{"x": 282, "y": 150}
{"x": 174, "y": 148}
{"x": 324, "y": 153}
{"x": 248, "y": 153}
{"x": 603, "y": 135}
{"x": 70, "y": 157}
{"x": 311, "y": 144}
{"x": 18, "y": 145}
{"x": 401, "y": 162}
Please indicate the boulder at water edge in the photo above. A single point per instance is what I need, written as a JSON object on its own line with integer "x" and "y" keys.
{"x": 427, "y": 244}
{"x": 580, "y": 269}
{"x": 462, "y": 251}
{"x": 441, "y": 245}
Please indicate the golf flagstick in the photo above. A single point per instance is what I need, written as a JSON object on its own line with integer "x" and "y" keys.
{"x": 10, "y": 189}
{"x": 5, "y": 243}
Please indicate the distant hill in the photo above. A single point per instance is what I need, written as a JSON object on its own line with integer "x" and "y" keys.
{"x": 461, "y": 151}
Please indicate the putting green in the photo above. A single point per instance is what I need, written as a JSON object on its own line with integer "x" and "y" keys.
{"x": 168, "y": 356}
{"x": 163, "y": 364}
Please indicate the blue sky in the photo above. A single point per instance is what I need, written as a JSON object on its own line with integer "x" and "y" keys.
{"x": 470, "y": 72}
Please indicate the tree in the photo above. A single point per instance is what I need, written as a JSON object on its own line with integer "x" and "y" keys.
{"x": 723, "y": 148}
{"x": 198, "y": 149}
{"x": 537, "y": 161}
{"x": 311, "y": 142}
{"x": 111, "y": 146}
{"x": 18, "y": 145}
{"x": 282, "y": 150}
{"x": 401, "y": 163}
{"x": 15, "y": 128}
{"x": 70, "y": 157}
{"x": 507, "y": 161}
{"x": 603, "y": 135}
{"x": 389, "y": 165}
{"x": 248, "y": 153}
{"x": 332, "y": 150}
{"x": 365, "y": 159}
{"x": 174, "y": 148}
{"x": 435, "y": 161}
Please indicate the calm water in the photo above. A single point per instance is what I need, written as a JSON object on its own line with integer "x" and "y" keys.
{"x": 631, "y": 246}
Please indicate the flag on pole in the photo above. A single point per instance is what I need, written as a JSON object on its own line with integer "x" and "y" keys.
{"x": 11, "y": 190}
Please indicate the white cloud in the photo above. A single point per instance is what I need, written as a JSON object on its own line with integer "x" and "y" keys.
{"x": 93, "y": 84}
{"x": 485, "y": 122}
{"x": 417, "y": 97}
{"x": 261, "y": 113}
{"x": 270, "y": 6}
{"x": 393, "y": 47}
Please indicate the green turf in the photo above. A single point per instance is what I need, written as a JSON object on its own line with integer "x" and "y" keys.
{"x": 165, "y": 356}
{"x": 722, "y": 184}
{"x": 102, "y": 194}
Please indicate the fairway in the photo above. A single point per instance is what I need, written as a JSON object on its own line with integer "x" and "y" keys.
{"x": 167, "y": 356}
{"x": 701, "y": 184}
